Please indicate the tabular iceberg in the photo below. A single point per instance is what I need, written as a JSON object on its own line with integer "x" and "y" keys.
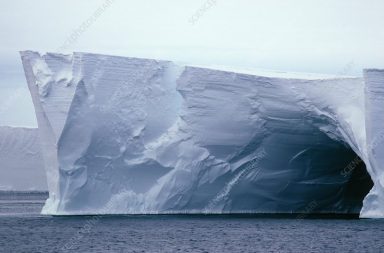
{"x": 126, "y": 135}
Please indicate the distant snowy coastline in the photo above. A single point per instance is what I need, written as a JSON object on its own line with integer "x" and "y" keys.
{"x": 21, "y": 162}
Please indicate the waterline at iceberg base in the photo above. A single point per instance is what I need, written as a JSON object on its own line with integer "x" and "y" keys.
{"x": 126, "y": 135}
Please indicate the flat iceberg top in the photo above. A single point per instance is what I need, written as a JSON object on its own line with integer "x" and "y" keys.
{"x": 274, "y": 73}
{"x": 131, "y": 135}
{"x": 240, "y": 70}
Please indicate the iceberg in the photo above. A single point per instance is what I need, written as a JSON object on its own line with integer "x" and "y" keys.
{"x": 125, "y": 135}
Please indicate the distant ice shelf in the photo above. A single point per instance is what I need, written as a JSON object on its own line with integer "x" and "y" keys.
{"x": 125, "y": 135}
{"x": 21, "y": 162}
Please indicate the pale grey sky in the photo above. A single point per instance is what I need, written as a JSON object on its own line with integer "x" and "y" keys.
{"x": 323, "y": 36}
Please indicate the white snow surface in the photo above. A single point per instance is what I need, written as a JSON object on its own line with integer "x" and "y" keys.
{"x": 126, "y": 135}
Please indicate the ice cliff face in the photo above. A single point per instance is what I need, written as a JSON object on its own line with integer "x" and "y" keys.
{"x": 128, "y": 135}
{"x": 21, "y": 160}
{"x": 374, "y": 150}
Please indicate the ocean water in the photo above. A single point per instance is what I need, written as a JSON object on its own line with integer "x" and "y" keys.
{"x": 23, "y": 229}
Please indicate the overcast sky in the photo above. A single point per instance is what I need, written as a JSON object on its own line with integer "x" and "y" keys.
{"x": 323, "y": 36}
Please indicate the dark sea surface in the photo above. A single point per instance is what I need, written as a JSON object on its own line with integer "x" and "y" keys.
{"x": 23, "y": 229}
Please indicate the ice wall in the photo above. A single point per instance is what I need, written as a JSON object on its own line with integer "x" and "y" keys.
{"x": 374, "y": 118}
{"x": 128, "y": 135}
